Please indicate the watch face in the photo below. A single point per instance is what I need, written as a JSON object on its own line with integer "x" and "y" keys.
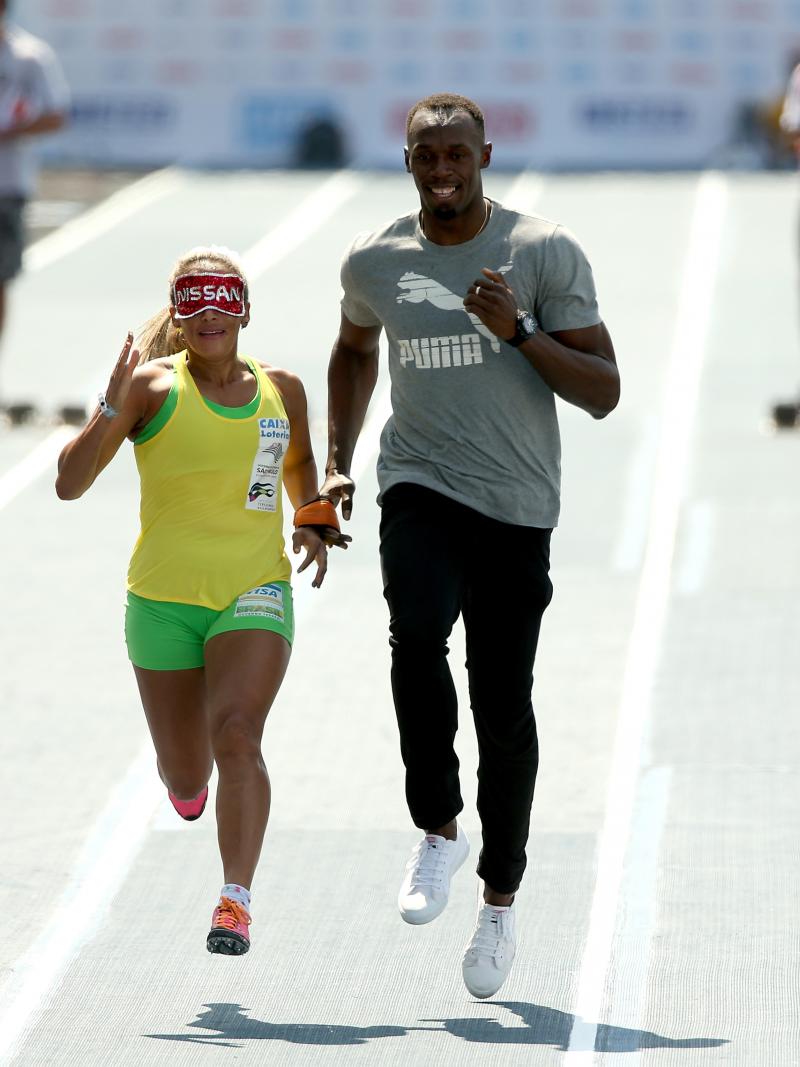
{"x": 527, "y": 323}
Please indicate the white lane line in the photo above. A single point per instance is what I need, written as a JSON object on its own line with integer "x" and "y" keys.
{"x": 34, "y": 464}
{"x": 97, "y": 875}
{"x": 302, "y": 222}
{"x": 526, "y": 189}
{"x": 636, "y": 510}
{"x": 638, "y": 915}
{"x": 101, "y": 218}
{"x": 696, "y": 554}
{"x": 116, "y": 838}
{"x": 672, "y": 468}
{"x": 289, "y": 234}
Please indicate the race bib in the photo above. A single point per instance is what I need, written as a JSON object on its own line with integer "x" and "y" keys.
{"x": 265, "y": 475}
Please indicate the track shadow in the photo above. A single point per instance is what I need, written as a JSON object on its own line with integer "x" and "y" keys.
{"x": 542, "y": 1026}
{"x": 233, "y": 1025}
{"x": 547, "y": 1026}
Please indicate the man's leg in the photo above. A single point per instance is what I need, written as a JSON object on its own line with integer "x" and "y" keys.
{"x": 421, "y": 575}
{"x": 502, "y": 618}
{"x": 420, "y": 556}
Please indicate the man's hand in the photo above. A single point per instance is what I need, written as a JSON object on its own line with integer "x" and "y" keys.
{"x": 494, "y": 303}
{"x": 339, "y": 488}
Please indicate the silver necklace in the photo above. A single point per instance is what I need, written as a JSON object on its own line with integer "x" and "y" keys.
{"x": 481, "y": 228}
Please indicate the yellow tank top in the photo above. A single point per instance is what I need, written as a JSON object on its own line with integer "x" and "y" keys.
{"x": 211, "y": 496}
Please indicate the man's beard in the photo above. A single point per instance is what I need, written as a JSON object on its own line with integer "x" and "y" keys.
{"x": 444, "y": 213}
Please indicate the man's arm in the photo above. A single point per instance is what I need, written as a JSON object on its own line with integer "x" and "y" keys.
{"x": 352, "y": 373}
{"x": 48, "y": 122}
{"x": 578, "y": 365}
{"x": 45, "y": 96}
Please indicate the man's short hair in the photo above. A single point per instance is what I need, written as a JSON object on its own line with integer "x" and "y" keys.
{"x": 444, "y": 106}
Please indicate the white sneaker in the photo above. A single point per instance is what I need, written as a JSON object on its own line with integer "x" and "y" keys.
{"x": 426, "y": 885}
{"x": 490, "y": 952}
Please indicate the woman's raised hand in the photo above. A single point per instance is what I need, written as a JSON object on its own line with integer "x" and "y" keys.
{"x": 119, "y": 384}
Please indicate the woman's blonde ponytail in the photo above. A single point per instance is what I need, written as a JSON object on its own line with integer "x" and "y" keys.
{"x": 159, "y": 337}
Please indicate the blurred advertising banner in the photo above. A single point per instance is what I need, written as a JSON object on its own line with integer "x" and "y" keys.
{"x": 564, "y": 83}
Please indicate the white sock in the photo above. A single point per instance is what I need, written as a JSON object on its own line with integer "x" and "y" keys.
{"x": 237, "y": 893}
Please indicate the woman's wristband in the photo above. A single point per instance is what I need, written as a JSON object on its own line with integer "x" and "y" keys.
{"x": 105, "y": 408}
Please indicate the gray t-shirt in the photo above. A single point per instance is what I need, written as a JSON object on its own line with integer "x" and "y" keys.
{"x": 471, "y": 418}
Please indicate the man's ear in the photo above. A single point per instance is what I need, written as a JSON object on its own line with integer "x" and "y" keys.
{"x": 246, "y": 317}
{"x": 486, "y": 156}
{"x": 407, "y": 159}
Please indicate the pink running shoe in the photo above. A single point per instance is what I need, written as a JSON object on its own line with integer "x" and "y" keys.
{"x": 190, "y": 809}
{"x": 229, "y": 934}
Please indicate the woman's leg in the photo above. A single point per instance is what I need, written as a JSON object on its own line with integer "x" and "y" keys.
{"x": 244, "y": 670}
{"x": 175, "y": 706}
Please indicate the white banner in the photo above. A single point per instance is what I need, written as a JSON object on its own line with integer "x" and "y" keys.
{"x": 564, "y": 83}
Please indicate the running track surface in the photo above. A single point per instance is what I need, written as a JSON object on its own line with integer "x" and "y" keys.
{"x": 658, "y": 915}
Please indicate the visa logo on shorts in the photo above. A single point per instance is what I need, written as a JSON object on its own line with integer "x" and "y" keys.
{"x": 272, "y": 591}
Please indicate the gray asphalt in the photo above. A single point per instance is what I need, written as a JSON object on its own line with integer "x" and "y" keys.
{"x": 105, "y": 897}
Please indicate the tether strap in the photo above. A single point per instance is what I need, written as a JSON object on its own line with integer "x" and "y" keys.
{"x": 317, "y": 513}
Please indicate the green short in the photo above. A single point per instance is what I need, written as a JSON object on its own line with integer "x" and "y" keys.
{"x": 162, "y": 636}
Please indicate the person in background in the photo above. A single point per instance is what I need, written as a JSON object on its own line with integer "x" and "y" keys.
{"x": 33, "y": 101}
{"x": 786, "y": 413}
{"x": 209, "y": 621}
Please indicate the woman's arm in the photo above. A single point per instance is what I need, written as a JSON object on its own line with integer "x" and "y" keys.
{"x": 300, "y": 469}
{"x": 299, "y": 466}
{"x": 98, "y": 442}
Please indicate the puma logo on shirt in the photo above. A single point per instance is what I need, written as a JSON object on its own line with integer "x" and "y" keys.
{"x": 419, "y": 289}
{"x": 435, "y": 352}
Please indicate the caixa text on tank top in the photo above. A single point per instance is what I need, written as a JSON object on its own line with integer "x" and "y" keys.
{"x": 265, "y": 477}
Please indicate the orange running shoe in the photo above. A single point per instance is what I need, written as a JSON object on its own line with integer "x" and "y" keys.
{"x": 229, "y": 932}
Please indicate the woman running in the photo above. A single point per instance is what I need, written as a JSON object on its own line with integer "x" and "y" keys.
{"x": 209, "y": 620}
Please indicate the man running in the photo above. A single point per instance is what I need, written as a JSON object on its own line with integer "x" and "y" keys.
{"x": 489, "y": 315}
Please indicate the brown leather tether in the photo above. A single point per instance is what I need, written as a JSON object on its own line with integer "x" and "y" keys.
{"x": 317, "y": 513}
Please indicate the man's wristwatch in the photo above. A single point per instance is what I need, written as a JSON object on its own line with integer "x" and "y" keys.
{"x": 526, "y": 328}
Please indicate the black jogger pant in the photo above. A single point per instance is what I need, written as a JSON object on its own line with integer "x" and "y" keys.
{"x": 440, "y": 559}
